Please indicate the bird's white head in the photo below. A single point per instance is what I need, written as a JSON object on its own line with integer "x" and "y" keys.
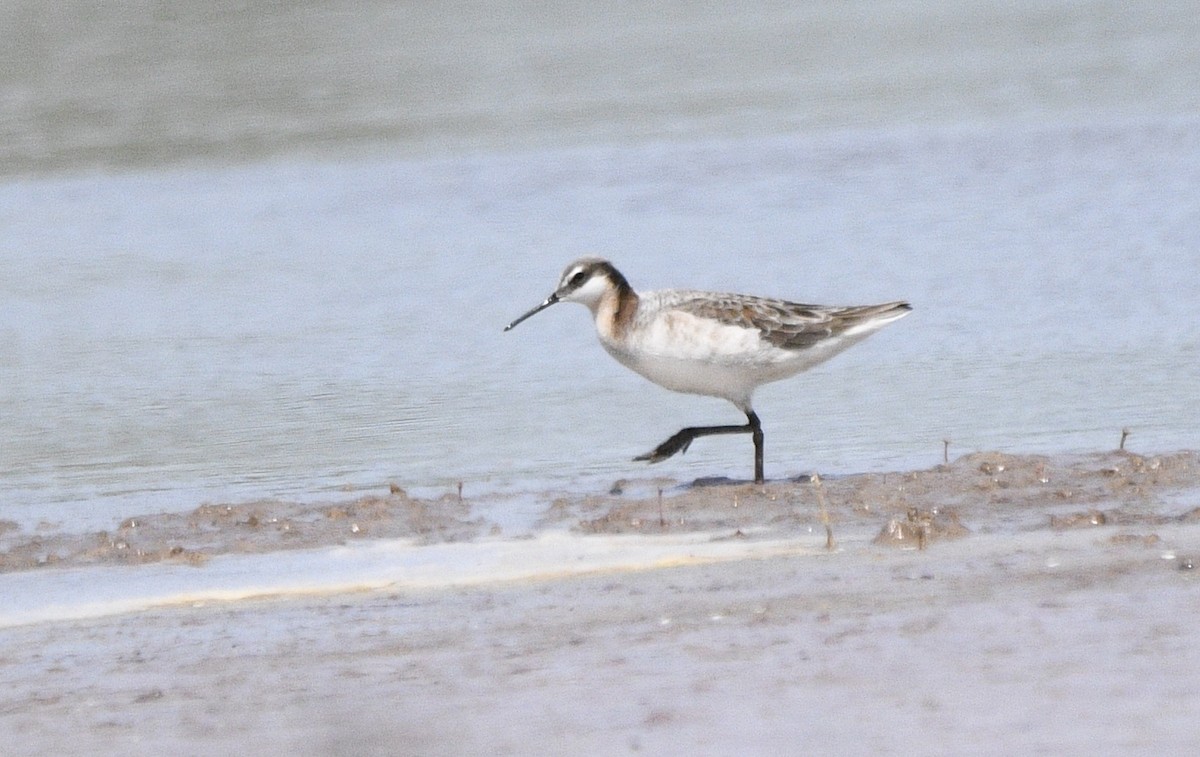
{"x": 586, "y": 281}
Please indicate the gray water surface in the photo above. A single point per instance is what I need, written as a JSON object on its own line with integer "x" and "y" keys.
{"x": 146, "y": 83}
{"x": 295, "y": 285}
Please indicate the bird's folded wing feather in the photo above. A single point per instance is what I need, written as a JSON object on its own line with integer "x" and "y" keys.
{"x": 788, "y": 325}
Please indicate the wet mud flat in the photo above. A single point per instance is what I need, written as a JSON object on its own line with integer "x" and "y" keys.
{"x": 978, "y": 493}
{"x": 1051, "y": 610}
{"x": 985, "y": 492}
{"x": 241, "y": 528}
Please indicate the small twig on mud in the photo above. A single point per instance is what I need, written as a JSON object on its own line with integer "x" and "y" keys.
{"x": 816, "y": 482}
{"x": 945, "y": 450}
{"x": 1124, "y": 436}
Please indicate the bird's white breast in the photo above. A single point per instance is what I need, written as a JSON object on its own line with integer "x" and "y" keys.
{"x": 687, "y": 353}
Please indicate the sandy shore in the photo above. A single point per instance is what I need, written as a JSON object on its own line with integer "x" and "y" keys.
{"x": 1052, "y": 610}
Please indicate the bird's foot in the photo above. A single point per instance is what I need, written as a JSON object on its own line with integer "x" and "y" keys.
{"x": 677, "y": 444}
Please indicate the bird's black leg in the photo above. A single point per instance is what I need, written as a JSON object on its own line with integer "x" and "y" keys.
{"x": 756, "y": 433}
{"x": 683, "y": 439}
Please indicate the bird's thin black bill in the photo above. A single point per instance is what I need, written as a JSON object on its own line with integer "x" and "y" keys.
{"x": 549, "y": 301}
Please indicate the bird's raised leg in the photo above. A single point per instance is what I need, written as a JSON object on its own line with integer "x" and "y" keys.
{"x": 680, "y": 441}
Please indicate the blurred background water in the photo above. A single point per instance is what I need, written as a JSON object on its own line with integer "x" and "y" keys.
{"x": 267, "y": 249}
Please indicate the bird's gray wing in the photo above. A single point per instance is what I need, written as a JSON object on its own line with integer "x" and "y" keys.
{"x": 788, "y": 325}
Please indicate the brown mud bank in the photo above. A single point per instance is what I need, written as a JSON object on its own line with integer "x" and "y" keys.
{"x": 979, "y": 493}
{"x": 984, "y": 492}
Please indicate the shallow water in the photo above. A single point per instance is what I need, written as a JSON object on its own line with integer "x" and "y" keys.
{"x": 147, "y": 84}
{"x": 265, "y": 250}
{"x": 314, "y": 307}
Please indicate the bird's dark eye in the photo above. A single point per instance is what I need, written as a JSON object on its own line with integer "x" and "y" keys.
{"x": 577, "y": 278}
